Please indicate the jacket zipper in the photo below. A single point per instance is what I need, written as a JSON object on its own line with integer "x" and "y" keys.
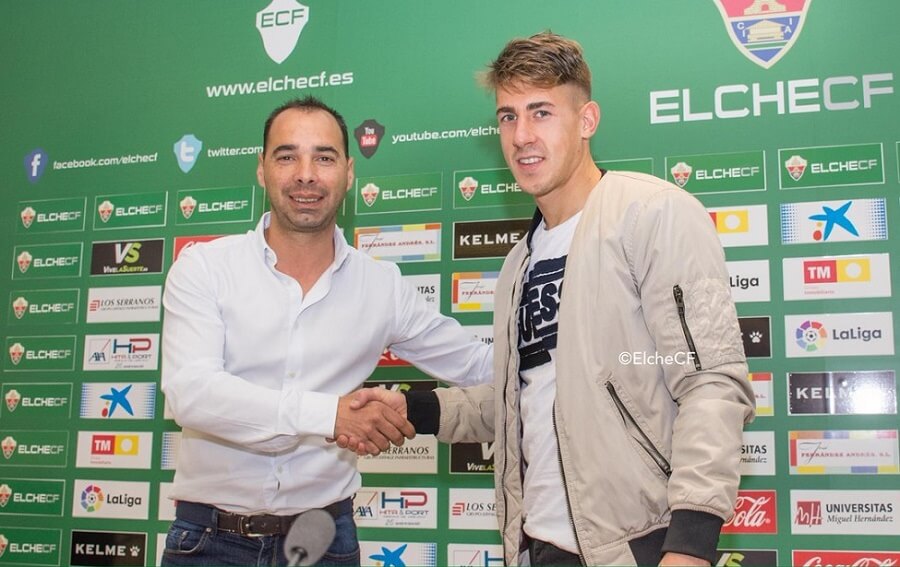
{"x": 647, "y": 444}
{"x": 562, "y": 472}
{"x": 679, "y": 303}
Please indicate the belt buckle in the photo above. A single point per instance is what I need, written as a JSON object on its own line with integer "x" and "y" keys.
{"x": 246, "y": 528}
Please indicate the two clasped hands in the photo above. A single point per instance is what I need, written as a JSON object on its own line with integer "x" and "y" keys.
{"x": 369, "y": 420}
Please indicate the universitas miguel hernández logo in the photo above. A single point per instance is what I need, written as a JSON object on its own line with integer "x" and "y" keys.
{"x": 763, "y": 30}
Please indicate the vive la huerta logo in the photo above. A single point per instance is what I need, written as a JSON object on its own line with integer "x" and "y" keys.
{"x": 280, "y": 25}
{"x": 765, "y": 30}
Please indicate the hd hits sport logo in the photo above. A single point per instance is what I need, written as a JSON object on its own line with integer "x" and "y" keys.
{"x": 121, "y": 352}
{"x": 396, "y": 507}
{"x": 51, "y": 215}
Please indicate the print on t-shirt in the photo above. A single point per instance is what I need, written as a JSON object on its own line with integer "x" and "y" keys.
{"x": 538, "y": 312}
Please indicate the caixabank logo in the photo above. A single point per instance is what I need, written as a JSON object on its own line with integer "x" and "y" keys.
{"x": 121, "y": 400}
{"x": 108, "y": 548}
{"x": 763, "y": 30}
{"x": 851, "y": 220}
{"x": 399, "y": 553}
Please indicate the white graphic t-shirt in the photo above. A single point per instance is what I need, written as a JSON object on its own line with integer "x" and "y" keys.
{"x": 547, "y": 516}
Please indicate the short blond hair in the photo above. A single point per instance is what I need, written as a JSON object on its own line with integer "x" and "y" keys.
{"x": 544, "y": 60}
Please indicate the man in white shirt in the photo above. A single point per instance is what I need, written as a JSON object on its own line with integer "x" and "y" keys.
{"x": 266, "y": 336}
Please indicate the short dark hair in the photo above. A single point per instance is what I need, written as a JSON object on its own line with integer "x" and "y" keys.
{"x": 544, "y": 60}
{"x": 307, "y": 104}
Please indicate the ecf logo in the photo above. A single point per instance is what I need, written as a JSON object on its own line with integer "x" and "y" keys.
{"x": 280, "y": 24}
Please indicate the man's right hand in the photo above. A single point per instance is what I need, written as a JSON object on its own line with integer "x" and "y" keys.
{"x": 369, "y": 420}
{"x": 391, "y": 405}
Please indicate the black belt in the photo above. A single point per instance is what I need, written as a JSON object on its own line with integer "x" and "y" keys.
{"x": 252, "y": 525}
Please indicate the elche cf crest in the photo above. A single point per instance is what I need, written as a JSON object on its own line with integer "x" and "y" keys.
{"x": 763, "y": 30}
{"x": 5, "y": 493}
{"x": 12, "y": 400}
{"x": 467, "y": 187}
{"x": 24, "y": 261}
{"x": 19, "y": 305}
{"x": 9, "y": 446}
{"x": 681, "y": 173}
{"x": 368, "y": 135}
{"x": 188, "y": 204}
{"x": 16, "y": 351}
{"x": 105, "y": 210}
{"x": 27, "y": 215}
{"x": 369, "y": 193}
{"x": 795, "y": 166}
{"x": 280, "y": 24}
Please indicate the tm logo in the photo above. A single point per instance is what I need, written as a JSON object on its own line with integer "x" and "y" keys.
{"x": 280, "y": 24}
{"x": 187, "y": 150}
{"x": 35, "y": 162}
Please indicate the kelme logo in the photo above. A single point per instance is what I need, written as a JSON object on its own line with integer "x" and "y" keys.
{"x": 369, "y": 193}
{"x": 368, "y": 135}
{"x": 765, "y": 30}
{"x": 16, "y": 352}
{"x": 681, "y": 173}
{"x": 187, "y": 205}
{"x": 187, "y": 150}
{"x": 467, "y": 187}
{"x": 13, "y": 397}
{"x": 27, "y": 215}
{"x": 105, "y": 210}
{"x": 280, "y": 24}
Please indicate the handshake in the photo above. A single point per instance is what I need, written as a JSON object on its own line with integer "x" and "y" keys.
{"x": 370, "y": 419}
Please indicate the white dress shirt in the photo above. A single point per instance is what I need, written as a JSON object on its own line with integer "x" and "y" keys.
{"x": 253, "y": 368}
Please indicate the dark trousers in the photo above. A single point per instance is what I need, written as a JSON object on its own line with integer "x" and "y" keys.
{"x": 543, "y": 553}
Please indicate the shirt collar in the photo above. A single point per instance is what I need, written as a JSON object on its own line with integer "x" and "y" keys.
{"x": 341, "y": 248}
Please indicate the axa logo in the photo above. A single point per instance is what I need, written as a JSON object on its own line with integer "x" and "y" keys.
{"x": 765, "y": 30}
{"x": 369, "y": 193}
{"x": 187, "y": 150}
{"x": 280, "y": 24}
{"x": 811, "y": 336}
{"x": 35, "y": 162}
{"x": 681, "y": 173}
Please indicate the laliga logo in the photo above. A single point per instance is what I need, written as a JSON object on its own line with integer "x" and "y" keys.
{"x": 15, "y": 353}
{"x": 280, "y": 24}
{"x": 12, "y": 400}
{"x": 188, "y": 204}
{"x": 9, "y": 446}
{"x": 19, "y": 306}
{"x": 24, "y": 261}
{"x": 106, "y": 210}
{"x": 369, "y": 193}
{"x": 467, "y": 187}
{"x": 681, "y": 173}
{"x": 27, "y": 216}
{"x": 811, "y": 336}
{"x": 92, "y": 498}
{"x": 795, "y": 166}
{"x": 765, "y": 30}
{"x": 5, "y": 493}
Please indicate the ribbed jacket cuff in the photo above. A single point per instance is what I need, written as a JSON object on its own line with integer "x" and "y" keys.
{"x": 693, "y": 533}
{"x": 423, "y": 410}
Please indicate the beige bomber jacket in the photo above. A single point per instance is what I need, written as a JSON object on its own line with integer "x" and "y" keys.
{"x": 643, "y": 447}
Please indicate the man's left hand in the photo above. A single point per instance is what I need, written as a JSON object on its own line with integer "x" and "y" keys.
{"x": 671, "y": 558}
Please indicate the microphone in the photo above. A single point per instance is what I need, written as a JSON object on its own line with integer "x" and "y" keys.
{"x": 309, "y": 537}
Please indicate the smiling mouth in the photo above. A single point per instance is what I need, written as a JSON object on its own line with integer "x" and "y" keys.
{"x": 529, "y": 160}
{"x": 306, "y": 200}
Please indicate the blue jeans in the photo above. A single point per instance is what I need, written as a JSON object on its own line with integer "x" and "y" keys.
{"x": 192, "y": 544}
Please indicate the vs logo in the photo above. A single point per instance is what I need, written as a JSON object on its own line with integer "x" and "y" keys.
{"x": 128, "y": 252}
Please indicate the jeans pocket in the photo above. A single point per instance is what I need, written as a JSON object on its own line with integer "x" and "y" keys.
{"x": 186, "y": 538}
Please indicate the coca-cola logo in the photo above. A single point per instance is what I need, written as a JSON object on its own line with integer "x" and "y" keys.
{"x": 846, "y": 558}
{"x": 754, "y": 513}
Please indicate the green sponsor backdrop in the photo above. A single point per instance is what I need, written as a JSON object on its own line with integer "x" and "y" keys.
{"x": 133, "y": 100}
